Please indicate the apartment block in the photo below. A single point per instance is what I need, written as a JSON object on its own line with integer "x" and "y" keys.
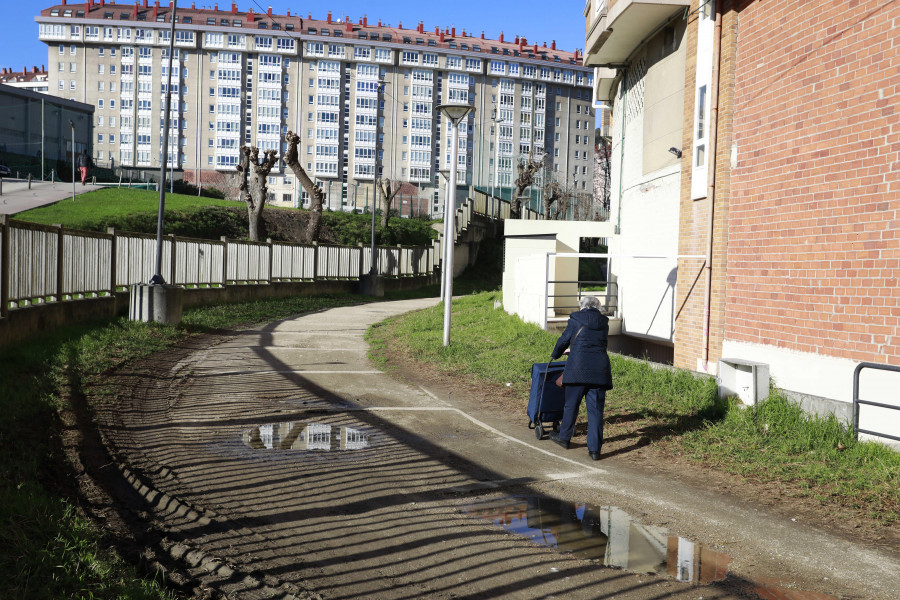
{"x": 362, "y": 96}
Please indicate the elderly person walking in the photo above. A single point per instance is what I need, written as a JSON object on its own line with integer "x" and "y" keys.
{"x": 587, "y": 373}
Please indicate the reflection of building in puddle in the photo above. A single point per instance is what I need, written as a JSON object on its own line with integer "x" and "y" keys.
{"x": 607, "y": 534}
{"x": 305, "y": 436}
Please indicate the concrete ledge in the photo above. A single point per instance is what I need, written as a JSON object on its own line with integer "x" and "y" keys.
{"x": 24, "y": 323}
{"x": 371, "y": 285}
{"x": 155, "y": 303}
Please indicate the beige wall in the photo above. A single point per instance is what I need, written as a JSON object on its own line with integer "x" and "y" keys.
{"x": 664, "y": 97}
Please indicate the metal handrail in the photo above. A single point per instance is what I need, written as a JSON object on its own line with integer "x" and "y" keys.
{"x": 857, "y": 401}
{"x": 611, "y": 294}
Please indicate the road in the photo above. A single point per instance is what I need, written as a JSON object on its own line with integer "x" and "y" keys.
{"x": 225, "y": 437}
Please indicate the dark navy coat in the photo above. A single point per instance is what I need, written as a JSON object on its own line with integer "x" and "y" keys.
{"x": 588, "y": 363}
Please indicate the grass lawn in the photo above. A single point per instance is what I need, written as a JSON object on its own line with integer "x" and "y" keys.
{"x": 110, "y": 204}
{"x": 668, "y": 409}
{"x": 192, "y": 216}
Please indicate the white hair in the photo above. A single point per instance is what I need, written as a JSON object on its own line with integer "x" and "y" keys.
{"x": 588, "y": 302}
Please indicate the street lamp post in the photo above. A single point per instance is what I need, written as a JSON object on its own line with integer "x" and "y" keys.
{"x": 157, "y": 278}
{"x": 43, "y": 161}
{"x": 373, "y": 266}
{"x": 72, "y": 125}
{"x": 454, "y": 113}
{"x": 445, "y": 173}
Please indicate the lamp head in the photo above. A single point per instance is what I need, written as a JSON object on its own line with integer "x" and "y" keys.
{"x": 455, "y": 112}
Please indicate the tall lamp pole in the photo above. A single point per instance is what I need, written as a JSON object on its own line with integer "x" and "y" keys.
{"x": 445, "y": 173}
{"x": 72, "y": 125}
{"x": 157, "y": 278}
{"x": 373, "y": 264}
{"x": 454, "y": 113}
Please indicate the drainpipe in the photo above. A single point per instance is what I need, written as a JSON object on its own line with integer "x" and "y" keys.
{"x": 711, "y": 183}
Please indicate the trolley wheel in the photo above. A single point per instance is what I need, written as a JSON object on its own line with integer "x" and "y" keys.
{"x": 556, "y": 426}
{"x": 539, "y": 431}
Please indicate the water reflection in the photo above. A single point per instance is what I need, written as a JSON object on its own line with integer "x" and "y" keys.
{"x": 300, "y": 435}
{"x": 606, "y": 534}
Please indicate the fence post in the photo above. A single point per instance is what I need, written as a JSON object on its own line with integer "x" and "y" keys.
{"x": 224, "y": 261}
{"x": 361, "y": 257}
{"x": 114, "y": 253}
{"x": 4, "y": 266}
{"x": 271, "y": 259}
{"x": 59, "y": 262}
{"x": 315, "y": 273}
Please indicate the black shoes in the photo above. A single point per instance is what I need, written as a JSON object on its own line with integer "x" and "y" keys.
{"x": 555, "y": 437}
{"x": 594, "y": 455}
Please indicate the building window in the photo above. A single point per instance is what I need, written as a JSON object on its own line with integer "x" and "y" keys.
{"x": 705, "y": 34}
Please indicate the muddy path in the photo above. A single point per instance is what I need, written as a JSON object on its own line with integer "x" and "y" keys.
{"x": 279, "y": 462}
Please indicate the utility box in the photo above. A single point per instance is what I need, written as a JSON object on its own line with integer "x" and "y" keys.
{"x": 745, "y": 379}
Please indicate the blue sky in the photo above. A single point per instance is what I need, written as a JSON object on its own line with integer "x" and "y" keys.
{"x": 564, "y": 21}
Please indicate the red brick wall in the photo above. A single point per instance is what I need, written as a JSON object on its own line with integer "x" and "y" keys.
{"x": 814, "y": 211}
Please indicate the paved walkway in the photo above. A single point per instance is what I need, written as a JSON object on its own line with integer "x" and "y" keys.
{"x": 17, "y": 197}
{"x": 228, "y": 439}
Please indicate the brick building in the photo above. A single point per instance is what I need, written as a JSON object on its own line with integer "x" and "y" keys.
{"x": 787, "y": 207}
{"x": 361, "y": 94}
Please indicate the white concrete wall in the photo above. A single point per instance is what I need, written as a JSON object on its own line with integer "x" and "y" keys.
{"x": 514, "y": 249}
{"x": 646, "y": 207}
{"x": 827, "y": 377}
{"x": 533, "y": 240}
{"x": 529, "y": 288}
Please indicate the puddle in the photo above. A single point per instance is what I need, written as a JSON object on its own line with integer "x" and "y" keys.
{"x": 300, "y": 435}
{"x": 605, "y": 534}
{"x": 612, "y": 537}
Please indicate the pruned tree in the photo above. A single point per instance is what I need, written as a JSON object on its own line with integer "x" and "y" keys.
{"x": 316, "y": 195}
{"x": 253, "y": 187}
{"x": 388, "y": 190}
{"x": 562, "y": 206}
{"x": 602, "y": 170}
{"x": 527, "y": 169}
{"x": 552, "y": 192}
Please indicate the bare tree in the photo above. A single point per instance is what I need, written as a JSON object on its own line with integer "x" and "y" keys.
{"x": 253, "y": 184}
{"x": 388, "y": 189}
{"x": 602, "y": 173}
{"x": 552, "y": 192}
{"x": 527, "y": 169}
{"x": 316, "y": 195}
{"x": 562, "y": 207}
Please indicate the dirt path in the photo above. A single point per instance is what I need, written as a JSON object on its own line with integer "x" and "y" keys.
{"x": 396, "y": 508}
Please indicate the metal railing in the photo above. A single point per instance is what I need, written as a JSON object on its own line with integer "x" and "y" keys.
{"x": 609, "y": 296}
{"x": 856, "y": 401}
{"x": 497, "y": 208}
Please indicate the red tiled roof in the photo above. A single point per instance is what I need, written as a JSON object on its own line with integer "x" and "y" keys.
{"x": 249, "y": 20}
{"x": 7, "y": 75}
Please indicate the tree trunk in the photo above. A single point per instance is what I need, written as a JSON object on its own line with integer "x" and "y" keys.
{"x": 254, "y": 184}
{"x": 316, "y": 196}
{"x": 523, "y": 181}
{"x": 388, "y": 189}
{"x": 562, "y": 207}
